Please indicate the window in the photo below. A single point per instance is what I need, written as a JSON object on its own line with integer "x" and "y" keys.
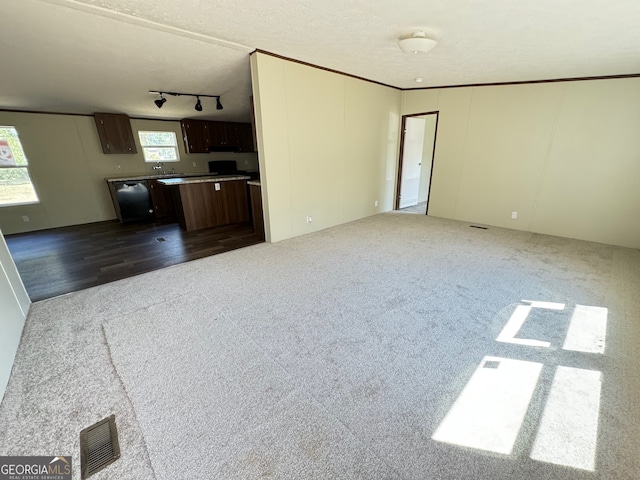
{"x": 159, "y": 146}
{"x": 15, "y": 183}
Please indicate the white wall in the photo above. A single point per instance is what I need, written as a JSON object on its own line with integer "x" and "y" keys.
{"x": 565, "y": 156}
{"x": 14, "y": 307}
{"x": 328, "y": 146}
{"x": 67, "y": 167}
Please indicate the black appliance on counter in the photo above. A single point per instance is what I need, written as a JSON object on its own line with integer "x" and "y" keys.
{"x": 230, "y": 167}
{"x": 134, "y": 201}
{"x": 223, "y": 167}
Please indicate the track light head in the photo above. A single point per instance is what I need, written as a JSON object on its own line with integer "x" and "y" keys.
{"x": 160, "y": 102}
{"x": 198, "y": 106}
{"x": 218, "y": 104}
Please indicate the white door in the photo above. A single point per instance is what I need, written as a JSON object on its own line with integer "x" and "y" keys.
{"x": 411, "y": 161}
{"x": 427, "y": 157}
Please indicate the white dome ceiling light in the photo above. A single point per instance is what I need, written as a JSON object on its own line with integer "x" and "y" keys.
{"x": 417, "y": 43}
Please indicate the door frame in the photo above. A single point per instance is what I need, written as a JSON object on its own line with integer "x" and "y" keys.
{"x": 401, "y": 152}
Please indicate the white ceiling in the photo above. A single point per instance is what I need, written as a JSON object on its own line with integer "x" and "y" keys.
{"x": 82, "y": 56}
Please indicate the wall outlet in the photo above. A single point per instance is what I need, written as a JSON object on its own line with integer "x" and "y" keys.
{"x": 375, "y": 204}
{"x": 118, "y": 167}
{"x": 25, "y": 218}
{"x": 195, "y": 164}
{"x": 216, "y": 186}
{"x": 309, "y": 220}
{"x": 514, "y": 215}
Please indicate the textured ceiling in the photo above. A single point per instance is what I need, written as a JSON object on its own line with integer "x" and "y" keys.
{"x": 104, "y": 55}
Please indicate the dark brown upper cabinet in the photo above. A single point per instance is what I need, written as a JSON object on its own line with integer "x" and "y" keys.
{"x": 244, "y": 133}
{"x": 196, "y": 135}
{"x": 221, "y": 135}
{"x": 201, "y": 136}
{"x": 239, "y": 136}
{"x": 115, "y": 133}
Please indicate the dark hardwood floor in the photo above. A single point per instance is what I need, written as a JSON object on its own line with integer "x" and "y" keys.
{"x": 62, "y": 260}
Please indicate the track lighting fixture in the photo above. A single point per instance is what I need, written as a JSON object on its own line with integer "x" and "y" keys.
{"x": 160, "y": 102}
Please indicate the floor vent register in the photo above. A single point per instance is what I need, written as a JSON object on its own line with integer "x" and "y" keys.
{"x": 99, "y": 446}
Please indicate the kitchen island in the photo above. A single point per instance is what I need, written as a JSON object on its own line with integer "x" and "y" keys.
{"x": 209, "y": 201}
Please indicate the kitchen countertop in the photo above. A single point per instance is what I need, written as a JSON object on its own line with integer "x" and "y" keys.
{"x": 202, "y": 179}
{"x": 151, "y": 176}
{"x": 254, "y": 182}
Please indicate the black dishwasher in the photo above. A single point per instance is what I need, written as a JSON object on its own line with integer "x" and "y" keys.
{"x": 134, "y": 201}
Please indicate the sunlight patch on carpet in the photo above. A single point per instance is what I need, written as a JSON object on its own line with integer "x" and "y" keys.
{"x": 587, "y": 330}
{"x": 568, "y": 433}
{"x": 490, "y": 410}
{"x": 517, "y": 319}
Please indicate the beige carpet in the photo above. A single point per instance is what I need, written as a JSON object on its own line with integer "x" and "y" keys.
{"x": 398, "y": 346}
{"x": 420, "y": 208}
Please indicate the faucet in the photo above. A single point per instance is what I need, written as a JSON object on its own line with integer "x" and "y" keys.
{"x": 158, "y": 166}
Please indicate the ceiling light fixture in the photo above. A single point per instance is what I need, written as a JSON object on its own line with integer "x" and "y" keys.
{"x": 160, "y": 102}
{"x": 417, "y": 43}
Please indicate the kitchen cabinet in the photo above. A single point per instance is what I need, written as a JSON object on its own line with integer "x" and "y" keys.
{"x": 162, "y": 200}
{"x": 231, "y": 135}
{"x": 211, "y": 202}
{"x": 244, "y": 134}
{"x": 196, "y": 135}
{"x": 221, "y": 135}
{"x": 235, "y": 201}
{"x": 116, "y": 136}
{"x": 202, "y": 136}
{"x": 238, "y": 135}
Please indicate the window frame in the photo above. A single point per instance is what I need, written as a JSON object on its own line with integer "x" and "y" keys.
{"x": 24, "y": 166}
{"x": 145, "y": 147}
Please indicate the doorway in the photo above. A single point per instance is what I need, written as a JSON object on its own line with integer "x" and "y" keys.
{"x": 415, "y": 163}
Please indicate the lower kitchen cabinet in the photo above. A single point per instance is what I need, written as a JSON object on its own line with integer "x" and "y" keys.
{"x": 162, "y": 200}
{"x": 211, "y": 204}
